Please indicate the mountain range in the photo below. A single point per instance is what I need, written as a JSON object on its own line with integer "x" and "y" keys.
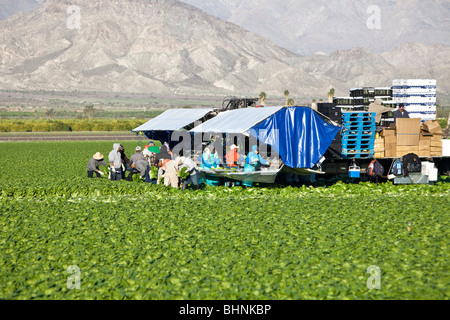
{"x": 167, "y": 46}
{"x": 307, "y": 27}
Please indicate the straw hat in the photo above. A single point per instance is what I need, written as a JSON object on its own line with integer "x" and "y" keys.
{"x": 98, "y": 156}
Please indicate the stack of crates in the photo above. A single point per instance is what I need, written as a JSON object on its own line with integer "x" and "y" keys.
{"x": 358, "y": 136}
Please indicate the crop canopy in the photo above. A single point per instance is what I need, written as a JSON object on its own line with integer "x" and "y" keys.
{"x": 173, "y": 120}
{"x": 299, "y": 135}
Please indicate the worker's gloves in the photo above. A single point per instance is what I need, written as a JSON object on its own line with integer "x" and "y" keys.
{"x": 123, "y": 167}
{"x": 113, "y": 169}
{"x": 101, "y": 172}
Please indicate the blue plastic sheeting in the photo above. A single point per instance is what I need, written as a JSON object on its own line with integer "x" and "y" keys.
{"x": 298, "y": 134}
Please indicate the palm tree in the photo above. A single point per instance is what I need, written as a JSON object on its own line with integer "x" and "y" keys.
{"x": 263, "y": 97}
{"x": 89, "y": 110}
{"x": 286, "y": 94}
{"x": 331, "y": 95}
{"x": 50, "y": 113}
{"x": 290, "y": 102}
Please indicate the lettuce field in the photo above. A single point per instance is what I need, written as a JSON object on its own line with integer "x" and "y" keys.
{"x": 64, "y": 236}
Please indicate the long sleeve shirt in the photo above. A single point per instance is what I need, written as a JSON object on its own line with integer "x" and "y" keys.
{"x": 93, "y": 165}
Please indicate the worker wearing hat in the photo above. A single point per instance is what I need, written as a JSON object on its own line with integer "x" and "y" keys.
{"x": 233, "y": 157}
{"x": 134, "y": 159}
{"x": 94, "y": 164}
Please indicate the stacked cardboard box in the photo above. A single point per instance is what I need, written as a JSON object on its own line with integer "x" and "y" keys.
{"x": 379, "y": 148}
{"x": 434, "y": 131}
{"x": 390, "y": 143}
{"x": 425, "y": 145}
{"x": 408, "y": 136}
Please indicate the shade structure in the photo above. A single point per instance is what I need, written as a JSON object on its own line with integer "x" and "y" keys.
{"x": 298, "y": 134}
{"x": 235, "y": 121}
{"x": 173, "y": 120}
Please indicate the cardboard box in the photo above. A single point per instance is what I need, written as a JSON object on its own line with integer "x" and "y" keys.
{"x": 387, "y": 132}
{"x": 378, "y": 146}
{"x": 436, "y": 137}
{"x": 424, "y": 145}
{"x": 436, "y": 143}
{"x": 432, "y": 126}
{"x": 424, "y": 153}
{"x": 404, "y": 150}
{"x": 408, "y": 131}
{"x": 425, "y": 138}
{"x": 378, "y": 155}
{"x": 436, "y": 154}
{"x": 390, "y": 146}
{"x": 424, "y": 133}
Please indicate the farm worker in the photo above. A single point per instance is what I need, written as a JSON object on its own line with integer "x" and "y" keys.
{"x": 149, "y": 157}
{"x": 233, "y": 157}
{"x": 133, "y": 159}
{"x": 171, "y": 174}
{"x": 191, "y": 167}
{"x": 162, "y": 158}
{"x": 125, "y": 161}
{"x": 400, "y": 113}
{"x": 210, "y": 160}
{"x": 168, "y": 149}
{"x": 254, "y": 158}
{"x": 94, "y": 163}
{"x": 252, "y": 163}
{"x": 115, "y": 163}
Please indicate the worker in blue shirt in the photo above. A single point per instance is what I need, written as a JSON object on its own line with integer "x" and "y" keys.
{"x": 253, "y": 162}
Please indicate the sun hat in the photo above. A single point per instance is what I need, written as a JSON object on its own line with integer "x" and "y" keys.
{"x": 98, "y": 156}
{"x": 233, "y": 146}
{"x": 138, "y": 148}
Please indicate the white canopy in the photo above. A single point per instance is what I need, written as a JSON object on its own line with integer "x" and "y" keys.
{"x": 236, "y": 121}
{"x": 174, "y": 119}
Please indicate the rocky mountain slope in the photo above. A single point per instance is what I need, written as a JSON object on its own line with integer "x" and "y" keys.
{"x": 166, "y": 46}
{"x": 307, "y": 27}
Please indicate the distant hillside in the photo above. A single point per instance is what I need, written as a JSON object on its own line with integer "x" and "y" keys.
{"x": 307, "y": 27}
{"x": 169, "y": 47}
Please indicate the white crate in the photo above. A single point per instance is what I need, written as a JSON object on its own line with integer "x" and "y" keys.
{"x": 446, "y": 148}
{"x": 414, "y": 82}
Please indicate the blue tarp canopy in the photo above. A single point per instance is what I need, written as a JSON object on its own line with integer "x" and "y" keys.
{"x": 299, "y": 135}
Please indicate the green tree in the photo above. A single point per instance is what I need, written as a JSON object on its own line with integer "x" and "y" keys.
{"x": 50, "y": 113}
{"x": 331, "y": 95}
{"x": 263, "y": 97}
{"x": 286, "y": 94}
{"x": 89, "y": 110}
{"x": 291, "y": 102}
